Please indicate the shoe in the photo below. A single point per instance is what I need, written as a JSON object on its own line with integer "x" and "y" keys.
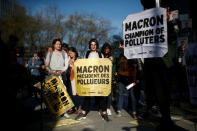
{"x": 134, "y": 116}
{"x": 66, "y": 115}
{"x": 118, "y": 114}
{"x": 105, "y": 117}
{"x": 109, "y": 112}
{"x": 70, "y": 111}
{"x": 76, "y": 112}
{"x": 81, "y": 116}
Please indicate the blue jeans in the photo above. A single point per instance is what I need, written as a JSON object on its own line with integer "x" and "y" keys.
{"x": 122, "y": 94}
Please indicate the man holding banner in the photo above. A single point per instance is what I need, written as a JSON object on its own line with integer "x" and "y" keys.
{"x": 145, "y": 36}
{"x": 102, "y": 101}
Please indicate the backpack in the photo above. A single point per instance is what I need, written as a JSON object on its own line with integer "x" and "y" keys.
{"x": 99, "y": 53}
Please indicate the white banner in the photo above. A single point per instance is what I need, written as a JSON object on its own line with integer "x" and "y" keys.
{"x": 145, "y": 34}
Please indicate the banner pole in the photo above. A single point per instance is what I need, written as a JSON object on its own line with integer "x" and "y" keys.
{"x": 157, "y": 3}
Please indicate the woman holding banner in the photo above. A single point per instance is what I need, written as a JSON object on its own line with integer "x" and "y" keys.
{"x": 102, "y": 101}
{"x": 57, "y": 61}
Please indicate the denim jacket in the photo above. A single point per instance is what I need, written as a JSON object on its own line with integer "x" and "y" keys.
{"x": 32, "y": 66}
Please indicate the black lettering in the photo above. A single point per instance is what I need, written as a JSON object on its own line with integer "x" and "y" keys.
{"x": 156, "y": 39}
{"x": 54, "y": 81}
{"x": 146, "y": 22}
{"x": 128, "y": 26}
{"x": 100, "y": 68}
{"x": 95, "y": 69}
{"x": 134, "y": 26}
{"x": 143, "y": 23}
{"x": 142, "y": 41}
{"x": 107, "y": 81}
{"x": 90, "y": 69}
{"x": 126, "y": 43}
{"x": 146, "y": 40}
{"x": 162, "y": 39}
{"x": 95, "y": 81}
{"x": 106, "y": 68}
{"x": 160, "y": 20}
{"x": 66, "y": 102}
{"x": 152, "y": 21}
{"x": 79, "y": 82}
{"x": 140, "y": 24}
{"x": 85, "y": 70}
{"x": 151, "y": 40}
{"x": 79, "y": 69}
{"x": 127, "y": 36}
{"x": 103, "y": 81}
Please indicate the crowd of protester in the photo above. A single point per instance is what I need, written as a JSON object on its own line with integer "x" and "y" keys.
{"x": 148, "y": 89}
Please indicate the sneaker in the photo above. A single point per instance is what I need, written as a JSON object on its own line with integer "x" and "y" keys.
{"x": 66, "y": 115}
{"x": 99, "y": 113}
{"x": 109, "y": 112}
{"x": 76, "y": 112}
{"x": 81, "y": 116}
{"x": 134, "y": 116}
{"x": 105, "y": 117}
{"x": 118, "y": 114}
{"x": 70, "y": 111}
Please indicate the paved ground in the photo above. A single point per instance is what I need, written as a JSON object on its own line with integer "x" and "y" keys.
{"x": 42, "y": 121}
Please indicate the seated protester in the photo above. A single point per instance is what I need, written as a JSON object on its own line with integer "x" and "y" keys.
{"x": 57, "y": 61}
{"x": 93, "y": 53}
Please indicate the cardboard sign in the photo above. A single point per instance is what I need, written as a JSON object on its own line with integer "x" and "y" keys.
{"x": 145, "y": 34}
{"x": 55, "y": 95}
{"x": 93, "y": 76}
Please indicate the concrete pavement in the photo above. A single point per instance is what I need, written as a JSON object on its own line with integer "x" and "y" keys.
{"x": 94, "y": 122}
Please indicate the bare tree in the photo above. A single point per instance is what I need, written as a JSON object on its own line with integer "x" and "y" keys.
{"x": 82, "y": 27}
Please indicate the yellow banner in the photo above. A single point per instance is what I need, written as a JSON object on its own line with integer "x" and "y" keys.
{"x": 55, "y": 95}
{"x": 93, "y": 76}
